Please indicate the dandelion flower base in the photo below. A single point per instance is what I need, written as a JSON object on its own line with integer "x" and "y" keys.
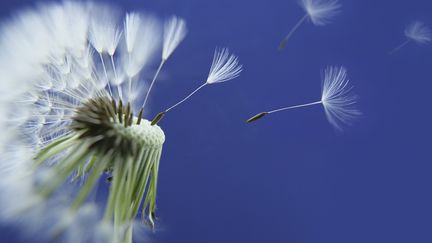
{"x": 108, "y": 138}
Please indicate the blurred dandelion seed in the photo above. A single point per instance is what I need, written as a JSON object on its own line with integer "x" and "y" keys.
{"x": 336, "y": 97}
{"x": 319, "y": 12}
{"x": 174, "y": 33}
{"x": 71, "y": 77}
{"x": 416, "y": 32}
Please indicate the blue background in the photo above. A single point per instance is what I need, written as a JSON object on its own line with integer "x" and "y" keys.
{"x": 290, "y": 177}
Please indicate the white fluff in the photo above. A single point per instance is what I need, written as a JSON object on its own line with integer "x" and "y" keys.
{"x": 104, "y": 33}
{"x": 48, "y": 69}
{"x": 320, "y": 12}
{"x": 143, "y": 40}
{"x": 225, "y": 67}
{"x": 132, "y": 24}
{"x": 174, "y": 32}
{"x": 418, "y": 32}
{"x": 337, "y": 97}
{"x": 52, "y": 59}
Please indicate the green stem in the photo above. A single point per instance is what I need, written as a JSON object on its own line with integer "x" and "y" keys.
{"x": 147, "y": 162}
{"x": 115, "y": 185}
{"x": 54, "y": 148}
{"x": 91, "y": 181}
{"x": 64, "y": 168}
{"x": 129, "y": 234}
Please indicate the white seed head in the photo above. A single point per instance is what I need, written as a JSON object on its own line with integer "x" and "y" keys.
{"x": 337, "y": 98}
{"x": 174, "y": 32}
{"x": 225, "y": 66}
{"x": 49, "y": 69}
{"x": 418, "y": 32}
{"x": 62, "y": 121}
{"x": 320, "y": 12}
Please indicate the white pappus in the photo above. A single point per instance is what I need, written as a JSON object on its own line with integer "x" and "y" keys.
{"x": 319, "y": 12}
{"x": 416, "y": 32}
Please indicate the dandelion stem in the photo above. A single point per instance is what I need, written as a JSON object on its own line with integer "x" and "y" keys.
{"x": 106, "y": 74}
{"x": 91, "y": 181}
{"x": 64, "y": 169}
{"x": 129, "y": 89}
{"x": 160, "y": 115}
{"x": 288, "y": 36}
{"x": 55, "y": 148}
{"x": 262, "y": 114}
{"x": 116, "y": 77}
{"x": 399, "y": 47}
{"x": 114, "y": 189}
{"x": 130, "y": 80}
{"x": 295, "y": 106}
{"x": 186, "y": 98}
{"x": 149, "y": 163}
{"x": 129, "y": 234}
{"x": 153, "y": 81}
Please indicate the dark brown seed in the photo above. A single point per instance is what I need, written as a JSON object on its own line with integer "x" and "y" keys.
{"x": 140, "y": 116}
{"x": 158, "y": 117}
{"x": 257, "y": 117}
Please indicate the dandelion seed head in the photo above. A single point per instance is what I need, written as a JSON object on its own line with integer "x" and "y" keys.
{"x": 418, "y": 32}
{"x": 70, "y": 85}
{"x": 320, "y": 12}
{"x": 337, "y": 98}
{"x": 55, "y": 61}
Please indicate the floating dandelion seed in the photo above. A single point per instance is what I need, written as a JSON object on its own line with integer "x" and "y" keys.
{"x": 320, "y": 12}
{"x": 337, "y": 99}
{"x": 417, "y": 32}
{"x": 64, "y": 127}
{"x": 224, "y": 68}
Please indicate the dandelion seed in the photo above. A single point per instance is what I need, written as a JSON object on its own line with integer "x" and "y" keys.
{"x": 104, "y": 36}
{"x": 174, "y": 33}
{"x": 224, "y": 67}
{"x": 416, "y": 32}
{"x": 320, "y": 12}
{"x": 336, "y": 97}
{"x": 64, "y": 128}
{"x": 131, "y": 26}
{"x": 138, "y": 54}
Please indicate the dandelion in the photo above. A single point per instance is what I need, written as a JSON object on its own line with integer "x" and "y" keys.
{"x": 319, "y": 12}
{"x": 337, "y": 99}
{"x": 416, "y": 32}
{"x": 65, "y": 128}
{"x": 225, "y": 67}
